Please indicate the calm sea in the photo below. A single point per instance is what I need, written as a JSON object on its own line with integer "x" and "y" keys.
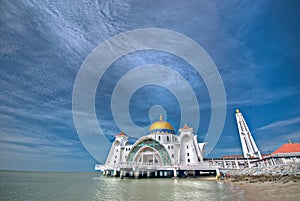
{"x": 44, "y": 186}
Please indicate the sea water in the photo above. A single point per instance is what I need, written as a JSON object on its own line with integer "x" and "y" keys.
{"x": 44, "y": 186}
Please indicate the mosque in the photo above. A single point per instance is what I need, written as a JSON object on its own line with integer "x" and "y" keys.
{"x": 160, "y": 153}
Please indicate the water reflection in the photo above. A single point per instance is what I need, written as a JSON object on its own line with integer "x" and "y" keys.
{"x": 107, "y": 188}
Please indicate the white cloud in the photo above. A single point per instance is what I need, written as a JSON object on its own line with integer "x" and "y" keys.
{"x": 278, "y": 125}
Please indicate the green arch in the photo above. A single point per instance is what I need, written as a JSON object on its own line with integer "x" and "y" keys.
{"x": 153, "y": 144}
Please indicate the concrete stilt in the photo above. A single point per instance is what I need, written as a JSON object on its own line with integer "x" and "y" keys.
{"x": 175, "y": 173}
{"x": 136, "y": 174}
{"x": 218, "y": 175}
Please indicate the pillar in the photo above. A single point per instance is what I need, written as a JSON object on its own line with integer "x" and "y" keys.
{"x": 115, "y": 173}
{"x": 225, "y": 165}
{"x": 248, "y": 163}
{"x": 237, "y": 164}
{"x": 272, "y": 161}
{"x": 218, "y": 175}
{"x": 283, "y": 160}
{"x": 121, "y": 174}
{"x": 136, "y": 174}
{"x": 175, "y": 173}
{"x": 148, "y": 174}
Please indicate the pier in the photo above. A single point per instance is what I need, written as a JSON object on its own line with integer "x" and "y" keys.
{"x": 158, "y": 171}
{"x": 210, "y": 167}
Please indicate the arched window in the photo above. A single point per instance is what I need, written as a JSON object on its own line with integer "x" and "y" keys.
{"x": 188, "y": 160}
{"x": 188, "y": 154}
{"x": 169, "y": 147}
{"x": 172, "y": 155}
{"x": 158, "y": 138}
{"x": 168, "y": 139}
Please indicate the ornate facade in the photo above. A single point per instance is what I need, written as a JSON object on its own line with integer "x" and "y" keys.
{"x": 159, "y": 149}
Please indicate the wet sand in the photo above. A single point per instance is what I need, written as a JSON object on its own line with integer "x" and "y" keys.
{"x": 270, "y": 191}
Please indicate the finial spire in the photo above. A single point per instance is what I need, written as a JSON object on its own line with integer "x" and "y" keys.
{"x": 160, "y": 117}
{"x": 290, "y": 142}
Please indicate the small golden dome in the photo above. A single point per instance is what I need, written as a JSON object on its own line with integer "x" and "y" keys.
{"x": 161, "y": 125}
{"x": 237, "y": 111}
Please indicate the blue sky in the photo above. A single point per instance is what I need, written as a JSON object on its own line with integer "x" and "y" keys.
{"x": 254, "y": 45}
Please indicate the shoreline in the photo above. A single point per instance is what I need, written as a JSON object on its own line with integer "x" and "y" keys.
{"x": 270, "y": 190}
{"x": 281, "y": 182}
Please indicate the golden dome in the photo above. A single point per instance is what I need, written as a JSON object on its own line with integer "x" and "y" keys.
{"x": 161, "y": 125}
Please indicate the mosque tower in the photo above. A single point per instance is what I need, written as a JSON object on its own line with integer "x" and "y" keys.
{"x": 250, "y": 149}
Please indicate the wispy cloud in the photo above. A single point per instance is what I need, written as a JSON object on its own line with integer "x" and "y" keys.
{"x": 278, "y": 125}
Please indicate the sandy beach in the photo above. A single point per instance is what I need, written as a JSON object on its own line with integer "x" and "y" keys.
{"x": 270, "y": 191}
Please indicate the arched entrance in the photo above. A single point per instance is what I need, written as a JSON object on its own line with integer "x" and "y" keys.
{"x": 147, "y": 156}
{"x": 148, "y": 150}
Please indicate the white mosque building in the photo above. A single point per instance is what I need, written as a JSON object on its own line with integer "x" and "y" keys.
{"x": 160, "y": 153}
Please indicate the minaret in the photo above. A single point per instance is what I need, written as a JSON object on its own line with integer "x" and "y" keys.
{"x": 249, "y": 147}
